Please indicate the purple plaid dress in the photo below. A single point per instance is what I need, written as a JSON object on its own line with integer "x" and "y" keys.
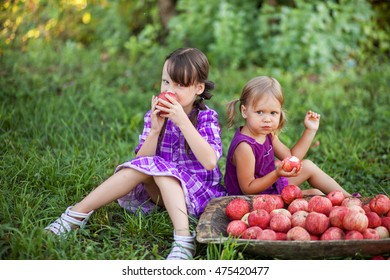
{"x": 171, "y": 159}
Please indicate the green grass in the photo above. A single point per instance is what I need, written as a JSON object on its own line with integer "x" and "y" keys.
{"x": 67, "y": 119}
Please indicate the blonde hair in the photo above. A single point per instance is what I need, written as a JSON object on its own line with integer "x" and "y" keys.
{"x": 252, "y": 92}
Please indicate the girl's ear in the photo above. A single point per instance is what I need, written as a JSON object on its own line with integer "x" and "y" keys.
{"x": 200, "y": 88}
{"x": 243, "y": 111}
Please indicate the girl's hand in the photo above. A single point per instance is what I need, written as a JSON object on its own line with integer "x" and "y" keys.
{"x": 172, "y": 110}
{"x": 156, "y": 120}
{"x": 312, "y": 121}
{"x": 281, "y": 173}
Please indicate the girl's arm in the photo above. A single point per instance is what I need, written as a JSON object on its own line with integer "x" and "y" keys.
{"x": 149, "y": 146}
{"x": 244, "y": 160}
{"x": 300, "y": 149}
{"x": 202, "y": 150}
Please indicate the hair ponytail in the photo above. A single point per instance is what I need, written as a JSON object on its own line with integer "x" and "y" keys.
{"x": 231, "y": 111}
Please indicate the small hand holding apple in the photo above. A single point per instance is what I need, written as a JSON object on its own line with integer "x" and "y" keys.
{"x": 289, "y": 167}
{"x": 312, "y": 120}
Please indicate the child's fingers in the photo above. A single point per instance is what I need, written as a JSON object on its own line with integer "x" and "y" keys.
{"x": 313, "y": 115}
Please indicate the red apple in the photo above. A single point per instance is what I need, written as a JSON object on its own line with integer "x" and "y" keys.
{"x": 280, "y": 223}
{"x": 366, "y": 208}
{"x": 349, "y": 201}
{"x": 289, "y": 163}
{"x": 353, "y": 235}
{"x": 316, "y": 223}
{"x": 251, "y": 233}
{"x": 237, "y": 208}
{"x": 298, "y": 205}
{"x": 354, "y": 220}
{"x": 259, "y": 218}
{"x": 291, "y": 192}
{"x": 314, "y": 237}
{"x": 281, "y": 236}
{"x": 298, "y": 233}
{"x": 320, "y": 204}
{"x": 377, "y": 258}
{"x": 279, "y": 203}
{"x": 299, "y": 218}
{"x": 383, "y": 232}
{"x": 264, "y": 201}
{"x": 380, "y": 204}
{"x": 333, "y": 233}
{"x": 386, "y": 222}
{"x": 357, "y": 208}
{"x": 280, "y": 211}
{"x": 236, "y": 227}
{"x": 336, "y": 216}
{"x": 373, "y": 220}
{"x": 163, "y": 96}
{"x": 370, "y": 233}
{"x": 336, "y": 197}
{"x": 267, "y": 234}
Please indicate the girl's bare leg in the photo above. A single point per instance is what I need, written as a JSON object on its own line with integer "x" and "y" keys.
{"x": 174, "y": 202}
{"x": 316, "y": 178}
{"x": 113, "y": 188}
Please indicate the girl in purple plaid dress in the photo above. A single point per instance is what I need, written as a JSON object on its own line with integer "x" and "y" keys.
{"x": 176, "y": 164}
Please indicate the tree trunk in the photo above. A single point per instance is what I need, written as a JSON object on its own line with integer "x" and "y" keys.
{"x": 167, "y": 11}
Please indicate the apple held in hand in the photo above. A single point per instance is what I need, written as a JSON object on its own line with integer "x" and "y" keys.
{"x": 289, "y": 163}
{"x": 163, "y": 95}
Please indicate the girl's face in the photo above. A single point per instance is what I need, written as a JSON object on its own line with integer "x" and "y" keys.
{"x": 262, "y": 117}
{"x": 185, "y": 95}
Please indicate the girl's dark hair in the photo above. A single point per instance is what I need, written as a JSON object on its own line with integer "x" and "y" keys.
{"x": 189, "y": 66}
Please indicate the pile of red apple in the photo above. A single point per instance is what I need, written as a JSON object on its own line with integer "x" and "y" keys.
{"x": 289, "y": 216}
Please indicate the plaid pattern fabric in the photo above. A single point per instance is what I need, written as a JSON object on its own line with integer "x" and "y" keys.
{"x": 171, "y": 159}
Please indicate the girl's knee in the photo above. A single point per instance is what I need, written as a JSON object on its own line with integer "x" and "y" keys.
{"x": 308, "y": 165}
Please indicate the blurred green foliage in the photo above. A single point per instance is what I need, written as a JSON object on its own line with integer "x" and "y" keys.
{"x": 296, "y": 35}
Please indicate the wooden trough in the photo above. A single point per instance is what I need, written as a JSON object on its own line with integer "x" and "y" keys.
{"x": 212, "y": 225}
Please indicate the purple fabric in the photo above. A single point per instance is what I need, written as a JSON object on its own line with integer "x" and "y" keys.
{"x": 265, "y": 163}
{"x": 171, "y": 159}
